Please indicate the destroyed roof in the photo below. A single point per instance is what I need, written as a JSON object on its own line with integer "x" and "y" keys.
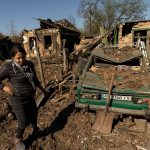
{"x": 100, "y": 53}
{"x": 60, "y": 24}
{"x": 137, "y": 21}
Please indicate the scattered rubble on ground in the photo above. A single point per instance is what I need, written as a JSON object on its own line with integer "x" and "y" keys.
{"x": 66, "y": 128}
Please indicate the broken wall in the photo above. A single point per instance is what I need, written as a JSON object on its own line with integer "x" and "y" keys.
{"x": 48, "y": 42}
{"x": 128, "y": 39}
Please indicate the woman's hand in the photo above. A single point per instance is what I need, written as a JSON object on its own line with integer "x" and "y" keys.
{"x": 8, "y": 89}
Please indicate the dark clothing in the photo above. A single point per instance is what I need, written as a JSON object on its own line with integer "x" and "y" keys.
{"x": 27, "y": 115}
{"x": 22, "y": 101}
{"x": 17, "y": 79}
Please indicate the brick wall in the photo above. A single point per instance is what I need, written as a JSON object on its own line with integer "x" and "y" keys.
{"x": 127, "y": 40}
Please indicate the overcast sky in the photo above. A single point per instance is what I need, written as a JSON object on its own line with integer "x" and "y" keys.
{"x": 22, "y": 12}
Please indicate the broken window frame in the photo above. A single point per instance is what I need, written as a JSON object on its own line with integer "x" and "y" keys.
{"x": 47, "y": 45}
{"x": 31, "y": 42}
{"x": 143, "y": 37}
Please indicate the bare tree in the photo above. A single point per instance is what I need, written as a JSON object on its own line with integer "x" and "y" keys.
{"x": 11, "y": 27}
{"x": 2, "y": 36}
{"x": 86, "y": 10}
{"x": 72, "y": 20}
{"x": 13, "y": 34}
{"x": 126, "y": 10}
{"x": 98, "y": 13}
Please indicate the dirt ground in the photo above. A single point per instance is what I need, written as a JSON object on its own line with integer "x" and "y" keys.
{"x": 63, "y": 127}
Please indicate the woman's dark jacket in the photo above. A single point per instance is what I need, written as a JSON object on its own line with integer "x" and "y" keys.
{"x": 23, "y": 89}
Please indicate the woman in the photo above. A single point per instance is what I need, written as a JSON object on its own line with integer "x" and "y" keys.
{"x": 22, "y": 81}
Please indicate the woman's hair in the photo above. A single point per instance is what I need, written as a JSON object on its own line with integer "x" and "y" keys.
{"x": 17, "y": 48}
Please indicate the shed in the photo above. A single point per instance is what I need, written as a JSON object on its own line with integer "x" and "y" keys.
{"x": 128, "y": 33}
{"x": 51, "y": 37}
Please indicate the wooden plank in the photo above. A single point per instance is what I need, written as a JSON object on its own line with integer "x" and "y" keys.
{"x": 148, "y": 45}
{"x": 39, "y": 59}
{"x": 42, "y": 96}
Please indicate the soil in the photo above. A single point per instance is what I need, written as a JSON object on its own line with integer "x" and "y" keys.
{"x": 64, "y": 127}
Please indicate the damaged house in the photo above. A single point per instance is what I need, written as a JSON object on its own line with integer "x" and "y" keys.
{"x": 54, "y": 41}
{"x": 129, "y": 33}
{"x": 51, "y": 37}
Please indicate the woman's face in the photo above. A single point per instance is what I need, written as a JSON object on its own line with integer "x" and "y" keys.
{"x": 19, "y": 58}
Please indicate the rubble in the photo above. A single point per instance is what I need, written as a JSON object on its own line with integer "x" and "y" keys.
{"x": 65, "y": 127}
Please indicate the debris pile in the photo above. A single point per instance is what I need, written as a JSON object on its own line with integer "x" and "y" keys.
{"x": 64, "y": 127}
{"x": 120, "y": 53}
{"x": 126, "y": 76}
